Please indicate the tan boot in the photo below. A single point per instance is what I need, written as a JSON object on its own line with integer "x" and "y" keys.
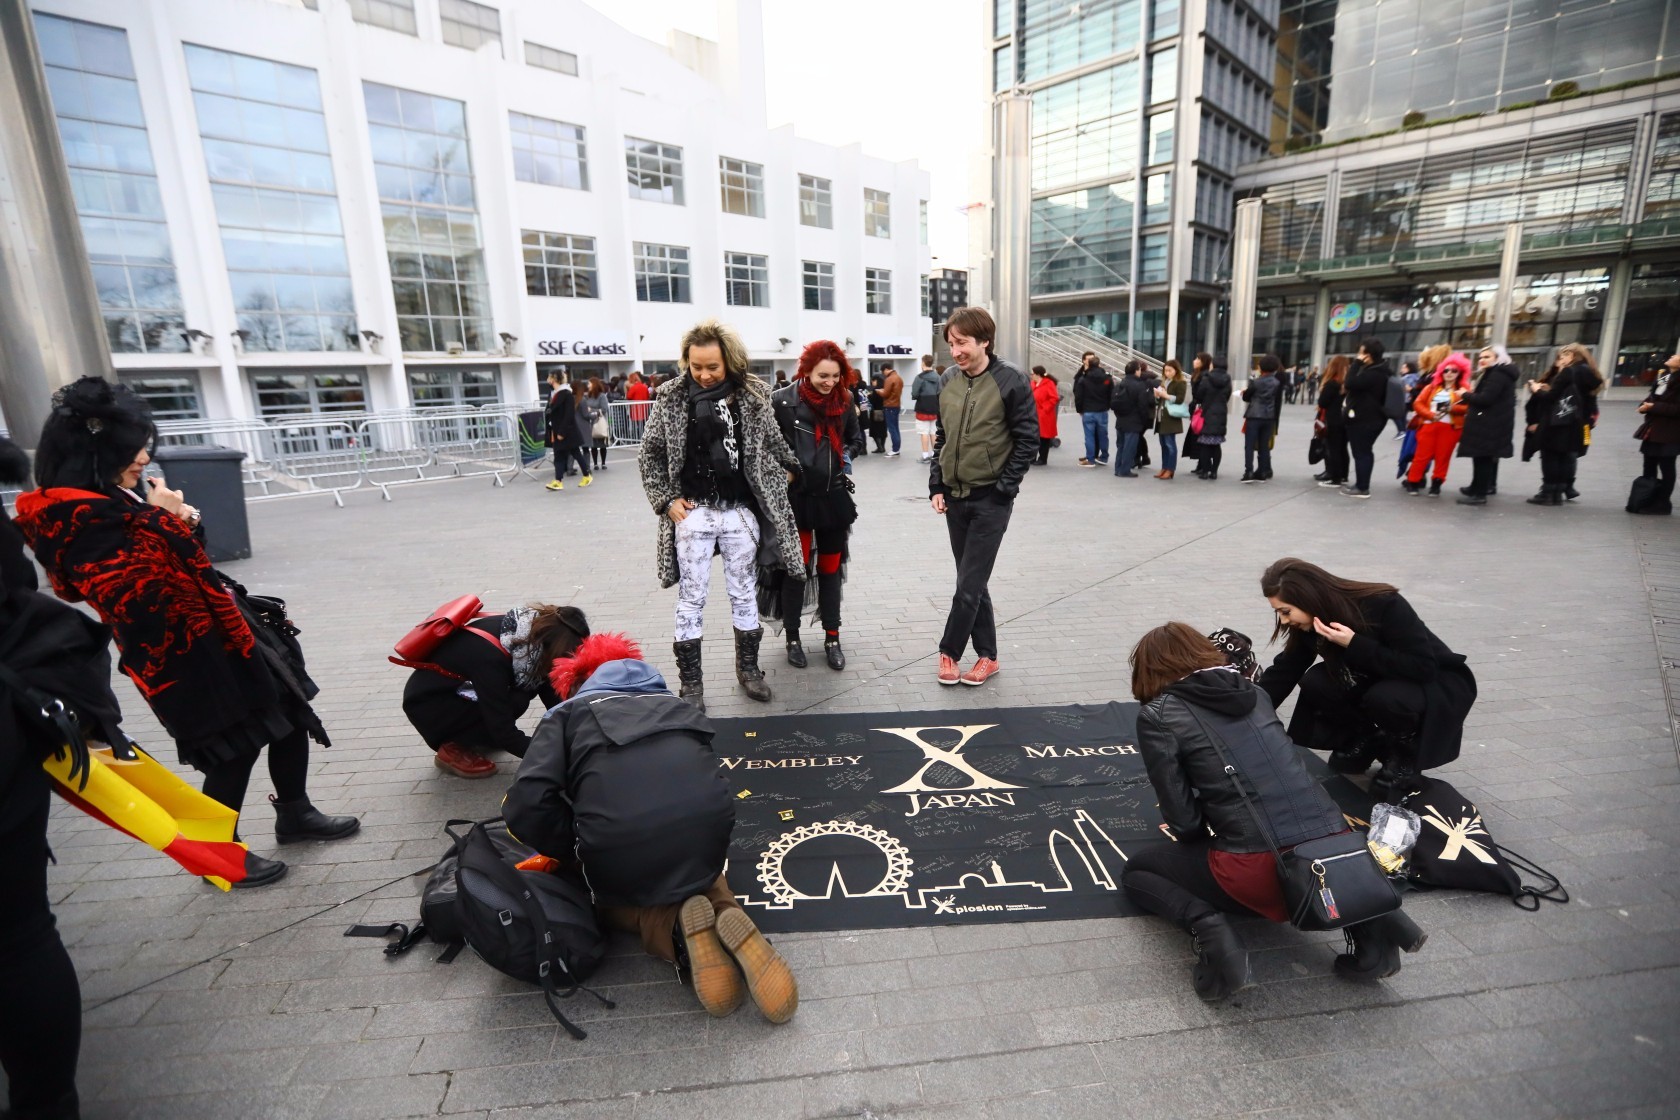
{"x": 769, "y": 980}
{"x": 717, "y": 982}
{"x": 1166, "y": 474}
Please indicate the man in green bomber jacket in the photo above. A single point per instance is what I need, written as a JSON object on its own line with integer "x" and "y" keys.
{"x": 986, "y": 439}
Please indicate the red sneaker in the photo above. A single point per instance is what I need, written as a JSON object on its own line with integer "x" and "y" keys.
{"x": 948, "y": 673}
{"x": 984, "y": 670}
{"x": 462, "y": 763}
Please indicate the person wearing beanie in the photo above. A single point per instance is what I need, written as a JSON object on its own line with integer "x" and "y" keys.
{"x": 224, "y": 680}
{"x": 818, "y": 421}
{"x": 1439, "y": 409}
{"x": 621, "y": 777}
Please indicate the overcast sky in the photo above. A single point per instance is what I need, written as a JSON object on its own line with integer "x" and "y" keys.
{"x": 906, "y": 78}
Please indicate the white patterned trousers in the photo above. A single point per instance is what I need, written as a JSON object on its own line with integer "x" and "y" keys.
{"x": 734, "y": 533}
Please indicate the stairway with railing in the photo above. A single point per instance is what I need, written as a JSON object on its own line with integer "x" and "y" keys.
{"x": 1059, "y": 349}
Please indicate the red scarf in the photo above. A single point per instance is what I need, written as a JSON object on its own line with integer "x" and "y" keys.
{"x": 827, "y": 409}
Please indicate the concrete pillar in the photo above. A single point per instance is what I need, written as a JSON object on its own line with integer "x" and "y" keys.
{"x": 1508, "y": 260}
{"x": 51, "y": 331}
{"x": 1321, "y": 327}
{"x": 1245, "y": 279}
{"x": 1615, "y": 315}
{"x": 1012, "y": 262}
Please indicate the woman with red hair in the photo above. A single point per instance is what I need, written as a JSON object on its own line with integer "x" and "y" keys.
{"x": 820, "y": 423}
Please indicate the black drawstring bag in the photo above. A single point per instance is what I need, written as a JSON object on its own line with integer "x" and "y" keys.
{"x": 1455, "y": 850}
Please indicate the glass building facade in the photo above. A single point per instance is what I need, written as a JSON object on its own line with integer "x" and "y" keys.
{"x": 424, "y": 174}
{"x": 1349, "y": 68}
{"x": 265, "y": 147}
{"x": 103, "y": 131}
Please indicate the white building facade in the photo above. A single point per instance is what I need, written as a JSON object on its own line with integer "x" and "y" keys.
{"x": 334, "y": 205}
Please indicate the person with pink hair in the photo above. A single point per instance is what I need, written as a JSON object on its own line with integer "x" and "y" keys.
{"x": 1440, "y": 409}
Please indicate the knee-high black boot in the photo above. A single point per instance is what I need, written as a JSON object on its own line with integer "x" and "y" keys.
{"x": 746, "y": 663}
{"x": 693, "y": 686}
{"x": 828, "y": 608}
{"x": 1221, "y": 960}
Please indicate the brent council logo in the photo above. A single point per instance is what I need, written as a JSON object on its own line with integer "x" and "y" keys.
{"x": 1345, "y": 318}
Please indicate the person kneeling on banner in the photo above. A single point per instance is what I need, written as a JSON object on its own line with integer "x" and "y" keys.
{"x": 466, "y": 698}
{"x": 1202, "y": 729}
{"x": 622, "y": 776}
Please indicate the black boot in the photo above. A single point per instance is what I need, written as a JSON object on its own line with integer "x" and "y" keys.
{"x": 299, "y": 820}
{"x": 1435, "y": 488}
{"x": 1569, "y": 493}
{"x": 832, "y": 651}
{"x": 746, "y": 663}
{"x": 1374, "y": 947}
{"x": 1221, "y": 961}
{"x": 693, "y": 682}
{"x": 260, "y": 872}
{"x": 796, "y": 653}
{"x": 1397, "y": 780}
{"x": 1548, "y": 496}
{"x": 1357, "y": 756}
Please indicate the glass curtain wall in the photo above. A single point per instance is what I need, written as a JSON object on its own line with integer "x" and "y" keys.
{"x": 424, "y": 173}
{"x": 109, "y": 157}
{"x": 265, "y": 147}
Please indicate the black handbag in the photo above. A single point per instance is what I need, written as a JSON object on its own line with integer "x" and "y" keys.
{"x": 1328, "y": 883}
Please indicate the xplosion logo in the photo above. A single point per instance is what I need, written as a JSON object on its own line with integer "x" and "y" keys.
{"x": 1345, "y": 318}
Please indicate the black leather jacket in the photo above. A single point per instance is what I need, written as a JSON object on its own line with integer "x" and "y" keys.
{"x": 820, "y": 469}
{"x": 1197, "y": 795}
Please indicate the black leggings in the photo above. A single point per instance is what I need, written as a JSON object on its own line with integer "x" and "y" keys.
{"x": 564, "y": 457}
{"x": 1211, "y": 454}
{"x": 41, "y": 1026}
{"x": 1484, "y": 476}
{"x": 598, "y": 453}
{"x": 1175, "y": 881}
{"x": 1329, "y": 715}
{"x": 1661, "y": 467}
{"x": 288, "y": 768}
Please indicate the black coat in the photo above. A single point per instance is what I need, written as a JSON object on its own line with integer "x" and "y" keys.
{"x": 560, "y": 421}
{"x": 1330, "y": 403}
{"x": 1195, "y": 793}
{"x": 1365, "y": 393}
{"x": 628, "y": 783}
{"x": 1394, "y": 645}
{"x": 1661, "y": 425}
{"x": 1212, "y": 394}
{"x": 1262, "y": 395}
{"x": 1093, "y": 389}
{"x": 1492, "y": 415}
{"x": 1132, "y": 404}
{"x": 1576, "y": 383}
{"x": 433, "y": 703}
{"x": 820, "y": 467}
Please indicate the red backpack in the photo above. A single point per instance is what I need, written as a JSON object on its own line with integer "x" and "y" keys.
{"x": 422, "y": 641}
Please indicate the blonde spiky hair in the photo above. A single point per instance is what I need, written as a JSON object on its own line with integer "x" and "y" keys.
{"x": 713, "y": 332}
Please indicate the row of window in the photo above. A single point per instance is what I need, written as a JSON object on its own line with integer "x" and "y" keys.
{"x": 562, "y": 264}
{"x": 463, "y": 24}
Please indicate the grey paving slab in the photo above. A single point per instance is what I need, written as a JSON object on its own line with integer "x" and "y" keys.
{"x": 250, "y": 1004}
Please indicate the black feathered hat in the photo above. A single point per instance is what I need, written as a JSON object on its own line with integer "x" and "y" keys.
{"x": 94, "y": 431}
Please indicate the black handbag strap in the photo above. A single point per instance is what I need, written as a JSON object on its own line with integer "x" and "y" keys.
{"x": 49, "y": 711}
{"x": 406, "y": 938}
{"x": 1236, "y": 780}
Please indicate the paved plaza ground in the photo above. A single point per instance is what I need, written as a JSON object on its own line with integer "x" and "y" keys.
{"x": 251, "y": 1004}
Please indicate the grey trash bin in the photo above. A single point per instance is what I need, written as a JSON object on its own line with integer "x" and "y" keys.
{"x": 212, "y": 480}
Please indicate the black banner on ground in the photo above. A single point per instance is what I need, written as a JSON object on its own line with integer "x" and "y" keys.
{"x": 886, "y": 820}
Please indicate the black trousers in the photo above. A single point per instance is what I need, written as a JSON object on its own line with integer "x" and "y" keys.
{"x": 1484, "y": 474}
{"x": 1044, "y": 449}
{"x": 1330, "y": 715}
{"x": 1661, "y": 467}
{"x": 1212, "y": 453}
{"x": 564, "y": 457}
{"x": 976, "y": 526}
{"x": 1258, "y": 438}
{"x": 1557, "y": 468}
{"x": 1175, "y": 881}
{"x": 288, "y": 767}
{"x": 1336, "y": 454}
{"x": 1361, "y": 439}
{"x": 40, "y": 1000}
{"x": 443, "y": 717}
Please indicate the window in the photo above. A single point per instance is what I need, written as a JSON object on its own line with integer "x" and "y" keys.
{"x": 877, "y": 291}
{"x": 819, "y": 286}
{"x": 654, "y": 170}
{"x": 470, "y": 25}
{"x": 454, "y": 388}
{"x": 1152, "y": 259}
{"x": 816, "y": 202}
{"x": 265, "y": 147}
{"x": 1085, "y": 130}
{"x": 927, "y": 306}
{"x": 552, "y": 153}
{"x": 1160, "y": 149}
{"x": 423, "y": 169}
{"x": 559, "y": 264}
{"x": 877, "y": 213}
{"x": 561, "y": 62}
{"x": 172, "y": 396}
{"x": 1058, "y": 36}
{"x": 743, "y": 187}
{"x": 393, "y": 15}
{"x": 922, "y": 210}
{"x": 1082, "y": 240}
{"x": 1003, "y": 68}
{"x": 1163, "y": 75}
{"x": 661, "y": 273}
{"x": 1157, "y": 198}
{"x": 746, "y": 280}
{"x": 97, "y": 102}
{"x": 289, "y": 394}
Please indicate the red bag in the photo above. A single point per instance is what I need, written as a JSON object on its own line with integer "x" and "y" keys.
{"x": 422, "y": 641}
{"x": 1196, "y": 421}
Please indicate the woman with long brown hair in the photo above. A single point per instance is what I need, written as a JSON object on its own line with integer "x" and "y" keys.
{"x": 1387, "y": 689}
{"x": 1200, "y": 720}
{"x": 1332, "y": 423}
{"x": 1562, "y": 405}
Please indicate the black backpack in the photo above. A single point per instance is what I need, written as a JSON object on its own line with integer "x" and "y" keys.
{"x": 1454, "y": 849}
{"x": 1395, "y": 404}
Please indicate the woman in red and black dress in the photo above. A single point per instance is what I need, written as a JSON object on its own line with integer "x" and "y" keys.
{"x": 819, "y": 421}
{"x": 223, "y": 680}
